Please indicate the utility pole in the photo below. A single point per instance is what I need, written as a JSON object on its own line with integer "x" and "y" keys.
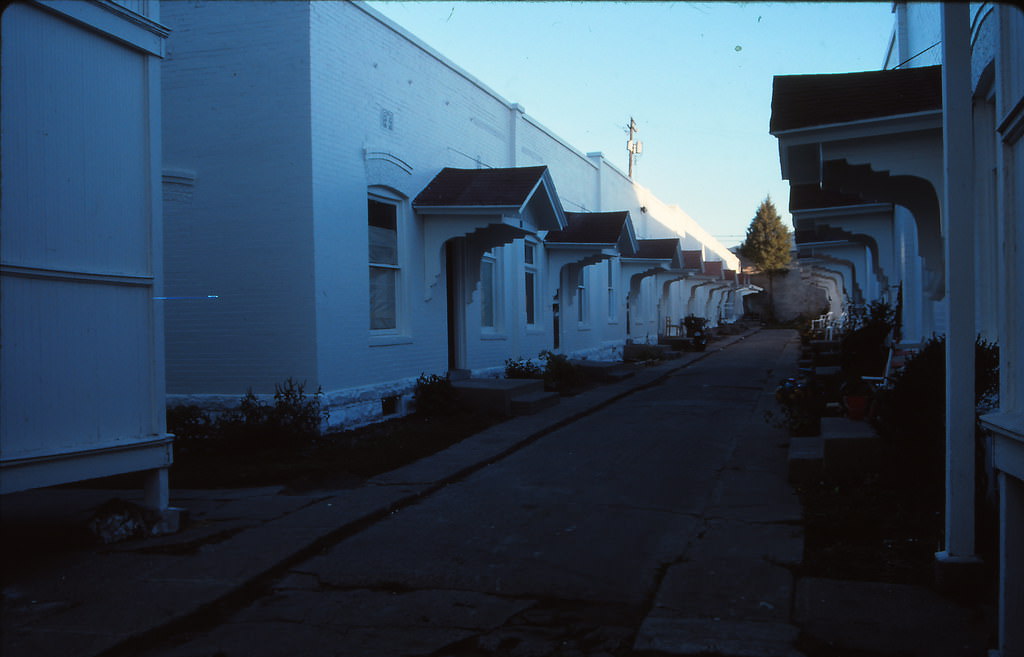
{"x": 633, "y": 147}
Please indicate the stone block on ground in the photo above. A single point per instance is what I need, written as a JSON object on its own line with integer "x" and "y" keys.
{"x": 806, "y": 455}
{"x": 533, "y": 402}
{"x": 737, "y": 588}
{"x": 700, "y": 636}
{"x": 604, "y": 371}
{"x": 851, "y": 447}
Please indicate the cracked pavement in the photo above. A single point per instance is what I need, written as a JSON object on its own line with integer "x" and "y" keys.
{"x": 659, "y": 521}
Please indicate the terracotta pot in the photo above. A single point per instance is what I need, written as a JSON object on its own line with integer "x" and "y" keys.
{"x": 856, "y": 406}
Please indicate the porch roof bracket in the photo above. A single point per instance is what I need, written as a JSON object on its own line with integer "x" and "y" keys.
{"x": 574, "y": 257}
{"x": 667, "y": 278}
{"x": 481, "y": 234}
{"x": 638, "y": 269}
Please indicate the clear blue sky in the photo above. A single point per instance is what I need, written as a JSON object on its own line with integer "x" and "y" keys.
{"x": 696, "y": 77}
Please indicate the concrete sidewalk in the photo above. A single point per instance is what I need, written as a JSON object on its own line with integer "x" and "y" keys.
{"x": 736, "y": 592}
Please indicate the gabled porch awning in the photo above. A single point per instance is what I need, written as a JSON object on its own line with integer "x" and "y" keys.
{"x": 487, "y": 208}
{"x": 653, "y": 256}
{"x": 694, "y": 261}
{"x": 588, "y": 238}
{"x": 876, "y": 135}
{"x": 713, "y": 269}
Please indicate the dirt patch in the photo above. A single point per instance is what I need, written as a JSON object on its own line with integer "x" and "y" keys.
{"x": 336, "y": 460}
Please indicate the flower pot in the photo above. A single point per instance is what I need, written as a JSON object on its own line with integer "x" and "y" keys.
{"x": 856, "y": 406}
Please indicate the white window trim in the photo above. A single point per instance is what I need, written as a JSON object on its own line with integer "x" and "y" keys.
{"x": 613, "y": 310}
{"x": 399, "y": 334}
{"x": 495, "y": 332}
{"x": 582, "y": 300}
{"x": 534, "y": 268}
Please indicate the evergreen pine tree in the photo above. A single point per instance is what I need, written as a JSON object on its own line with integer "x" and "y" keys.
{"x": 767, "y": 246}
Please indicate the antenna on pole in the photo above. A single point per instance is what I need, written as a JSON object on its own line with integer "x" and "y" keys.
{"x": 634, "y": 148}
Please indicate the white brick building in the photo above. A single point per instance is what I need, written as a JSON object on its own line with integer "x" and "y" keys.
{"x": 299, "y": 141}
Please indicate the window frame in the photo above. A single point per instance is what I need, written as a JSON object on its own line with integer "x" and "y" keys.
{"x": 531, "y": 303}
{"x": 582, "y": 299}
{"x": 388, "y": 335}
{"x": 494, "y": 260}
{"x": 613, "y": 311}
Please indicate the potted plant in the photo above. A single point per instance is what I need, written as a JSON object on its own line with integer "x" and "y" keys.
{"x": 855, "y": 393}
{"x": 802, "y": 405}
{"x": 696, "y": 330}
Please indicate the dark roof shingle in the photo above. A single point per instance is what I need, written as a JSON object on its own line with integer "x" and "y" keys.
{"x": 662, "y": 249}
{"x": 590, "y": 228}
{"x": 693, "y": 259}
{"x": 481, "y": 187}
{"x": 800, "y": 101}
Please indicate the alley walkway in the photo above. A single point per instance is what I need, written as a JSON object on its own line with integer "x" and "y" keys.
{"x": 623, "y": 530}
{"x": 646, "y": 517}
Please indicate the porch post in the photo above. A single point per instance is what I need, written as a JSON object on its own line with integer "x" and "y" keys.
{"x": 957, "y": 218}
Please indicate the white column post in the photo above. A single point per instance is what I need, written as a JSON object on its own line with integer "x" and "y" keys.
{"x": 157, "y": 495}
{"x": 958, "y": 208}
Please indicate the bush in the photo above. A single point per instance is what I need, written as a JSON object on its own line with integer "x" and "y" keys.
{"x": 435, "y": 396}
{"x": 522, "y": 368}
{"x": 694, "y": 324}
{"x": 294, "y": 418}
{"x": 190, "y": 422}
{"x": 559, "y": 373}
{"x": 802, "y": 404}
{"x": 863, "y": 350}
{"x": 916, "y": 405}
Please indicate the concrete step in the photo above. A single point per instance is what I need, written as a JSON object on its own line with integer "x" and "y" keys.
{"x": 675, "y": 343}
{"x": 496, "y": 394}
{"x": 806, "y": 455}
{"x": 533, "y": 402}
{"x": 605, "y": 371}
{"x": 716, "y": 636}
{"x": 638, "y": 352}
{"x": 851, "y": 447}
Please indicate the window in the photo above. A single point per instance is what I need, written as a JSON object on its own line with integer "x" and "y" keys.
{"x": 530, "y": 280}
{"x": 384, "y": 267}
{"x": 581, "y": 297}
{"x": 487, "y": 293}
{"x": 612, "y": 306}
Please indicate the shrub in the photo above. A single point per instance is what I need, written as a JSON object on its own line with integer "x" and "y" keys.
{"x": 435, "y": 396}
{"x": 294, "y": 418}
{"x": 916, "y": 405}
{"x": 863, "y": 350}
{"x": 559, "y": 373}
{"x": 522, "y": 368}
{"x": 190, "y": 422}
{"x": 801, "y": 403}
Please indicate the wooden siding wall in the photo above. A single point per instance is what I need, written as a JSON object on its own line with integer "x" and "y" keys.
{"x": 78, "y": 359}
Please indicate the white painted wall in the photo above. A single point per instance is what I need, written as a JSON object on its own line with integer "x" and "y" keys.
{"x": 236, "y": 119}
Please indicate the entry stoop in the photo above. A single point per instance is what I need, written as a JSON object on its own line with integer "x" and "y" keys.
{"x": 805, "y": 458}
{"x": 635, "y": 352}
{"x": 534, "y": 402}
{"x": 506, "y": 396}
{"x": 851, "y": 447}
{"x": 605, "y": 371}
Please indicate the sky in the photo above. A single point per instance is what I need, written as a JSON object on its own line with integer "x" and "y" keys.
{"x": 696, "y": 77}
